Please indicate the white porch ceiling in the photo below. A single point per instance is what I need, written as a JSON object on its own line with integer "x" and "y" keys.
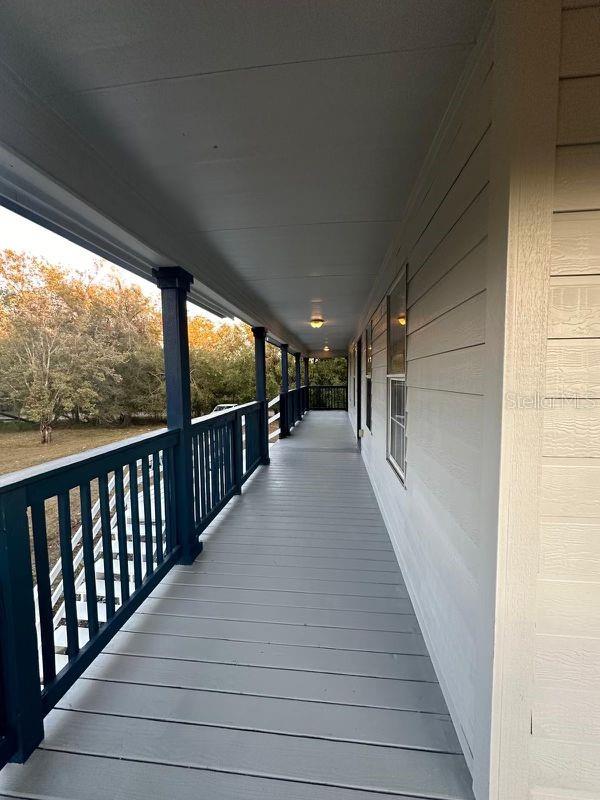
{"x": 267, "y": 146}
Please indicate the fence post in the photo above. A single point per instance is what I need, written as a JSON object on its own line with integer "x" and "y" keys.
{"x": 260, "y": 336}
{"x": 174, "y": 284}
{"x": 20, "y": 678}
{"x": 284, "y": 408}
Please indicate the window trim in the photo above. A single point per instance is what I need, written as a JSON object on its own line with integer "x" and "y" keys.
{"x": 398, "y": 469}
{"x": 397, "y": 377}
{"x": 354, "y": 361}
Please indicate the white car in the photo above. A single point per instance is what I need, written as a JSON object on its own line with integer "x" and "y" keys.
{"x": 223, "y": 407}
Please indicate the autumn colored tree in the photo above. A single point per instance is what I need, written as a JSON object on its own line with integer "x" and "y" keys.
{"x": 55, "y": 358}
{"x": 74, "y": 347}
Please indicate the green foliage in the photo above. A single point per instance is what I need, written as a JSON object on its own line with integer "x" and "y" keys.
{"x": 55, "y": 357}
{"x": 74, "y": 348}
{"x": 222, "y": 368}
{"x": 328, "y": 371}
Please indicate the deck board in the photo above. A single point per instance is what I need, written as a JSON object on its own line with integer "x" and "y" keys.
{"x": 286, "y": 662}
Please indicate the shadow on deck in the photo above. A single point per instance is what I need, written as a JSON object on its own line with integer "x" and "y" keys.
{"x": 286, "y": 662}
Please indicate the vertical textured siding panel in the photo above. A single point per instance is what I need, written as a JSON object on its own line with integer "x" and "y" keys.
{"x": 566, "y": 702}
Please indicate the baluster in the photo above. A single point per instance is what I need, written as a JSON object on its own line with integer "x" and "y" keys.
{"x": 225, "y": 437}
{"x": 213, "y": 470}
{"x": 147, "y": 515}
{"x": 221, "y": 452}
{"x": 254, "y": 438}
{"x": 68, "y": 578}
{"x": 228, "y": 456}
{"x": 238, "y": 461}
{"x": 170, "y": 505}
{"x": 196, "y": 474}
{"x": 221, "y": 472}
{"x": 44, "y": 590}
{"x": 122, "y": 534}
{"x": 87, "y": 537}
{"x": 107, "y": 551}
{"x": 249, "y": 442}
{"x": 157, "y": 508}
{"x": 203, "y": 484}
{"x": 249, "y": 438}
{"x": 136, "y": 545}
{"x": 210, "y": 500}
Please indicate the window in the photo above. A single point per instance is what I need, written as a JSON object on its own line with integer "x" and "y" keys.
{"x": 397, "y": 425}
{"x": 369, "y": 403}
{"x": 396, "y": 448}
{"x": 397, "y": 327}
{"x": 354, "y": 363}
{"x": 369, "y": 348}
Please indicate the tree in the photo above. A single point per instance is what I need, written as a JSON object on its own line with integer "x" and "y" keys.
{"x": 328, "y": 371}
{"x": 55, "y": 359}
{"x": 221, "y": 364}
{"x": 80, "y": 348}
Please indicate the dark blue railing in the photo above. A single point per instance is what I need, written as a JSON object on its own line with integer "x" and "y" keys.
{"x": 226, "y": 449}
{"x": 328, "y": 398}
{"x": 292, "y": 407}
{"x": 121, "y": 502}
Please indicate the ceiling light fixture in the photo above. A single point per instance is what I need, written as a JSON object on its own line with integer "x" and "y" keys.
{"x": 326, "y": 348}
{"x": 317, "y": 322}
{"x": 401, "y": 320}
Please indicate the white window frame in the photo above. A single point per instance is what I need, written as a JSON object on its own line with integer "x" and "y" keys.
{"x": 396, "y": 378}
{"x": 400, "y": 469}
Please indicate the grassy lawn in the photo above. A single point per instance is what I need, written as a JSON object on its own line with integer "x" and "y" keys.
{"x": 21, "y": 449}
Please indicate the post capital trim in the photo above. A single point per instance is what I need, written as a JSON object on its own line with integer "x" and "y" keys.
{"x": 259, "y": 332}
{"x": 173, "y": 278}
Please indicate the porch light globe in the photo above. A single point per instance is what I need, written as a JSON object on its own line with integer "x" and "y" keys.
{"x": 317, "y": 322}
{"x": 326, "y": 348}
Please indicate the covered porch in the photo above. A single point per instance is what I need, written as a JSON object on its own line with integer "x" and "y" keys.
{"x": 412, "y": 185}
{"x": 285, "y": 661}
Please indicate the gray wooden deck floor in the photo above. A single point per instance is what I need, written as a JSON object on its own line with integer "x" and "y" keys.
{"x": 285, "y": 663}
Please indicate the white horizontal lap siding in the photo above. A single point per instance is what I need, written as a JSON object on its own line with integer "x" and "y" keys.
{"x": 566, "y": 695}
{"x": 435, "y": 521}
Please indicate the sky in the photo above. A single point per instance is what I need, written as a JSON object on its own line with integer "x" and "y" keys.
{"x": 22, "y": 235}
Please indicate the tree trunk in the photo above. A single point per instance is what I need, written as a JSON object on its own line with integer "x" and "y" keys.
{"x": 45, "y": 433}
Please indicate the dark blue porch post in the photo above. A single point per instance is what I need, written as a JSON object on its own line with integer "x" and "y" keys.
{"x": 306, "y": 389}
{"x": 298, "y": 382}
{"x": 260, "y": 336}
{"x": 284, "y": 418}
{"x": 174, "y": 284}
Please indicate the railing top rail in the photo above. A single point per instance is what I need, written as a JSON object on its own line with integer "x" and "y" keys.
{"x": 226, "y": 414}
{"x": 274, "y": 401}
{"x": 90, "y": 463}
